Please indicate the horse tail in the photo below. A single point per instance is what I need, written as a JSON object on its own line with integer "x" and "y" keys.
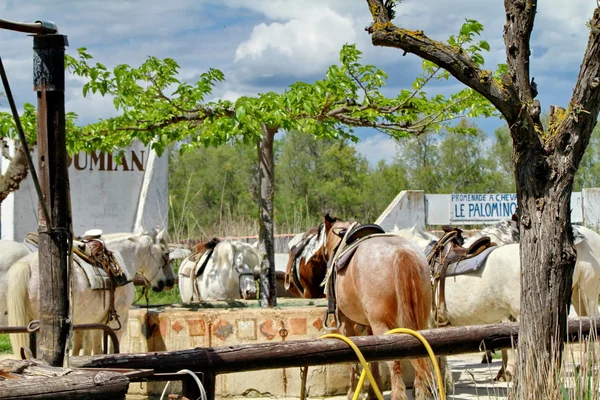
{"x": 16, "y": 297}
{"x": 415, "y": 289}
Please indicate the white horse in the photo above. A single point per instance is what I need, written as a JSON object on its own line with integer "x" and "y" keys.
{"x": 493, "y": 294}
{"x": 586, "y": 276}
{"x": 10, "y": 253}
{"x": 145, "y": 253}
{"x": 228, "y": 274}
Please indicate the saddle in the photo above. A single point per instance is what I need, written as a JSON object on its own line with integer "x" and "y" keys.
{"x": 448, "y": 257}
{"x": 352, "y": 238}
{"x": 292, "y": 270}
{"x": 357, "y": 235}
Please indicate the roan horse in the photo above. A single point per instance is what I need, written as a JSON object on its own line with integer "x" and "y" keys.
{"x": 385, "y": 285}
{"x": 146, "y": 253}
{"x": 219, "y": 270}
{"x": 307, "y": 266}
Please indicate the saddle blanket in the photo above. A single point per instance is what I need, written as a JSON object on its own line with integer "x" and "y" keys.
{"x": 189, "y": 269}
{"x": 97, "y": 277}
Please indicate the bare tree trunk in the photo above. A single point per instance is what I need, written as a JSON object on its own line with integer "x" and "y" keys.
{"x": 547, "y": 264}
{"x": 266, "y": 164}
{"x": 15, "y": 173}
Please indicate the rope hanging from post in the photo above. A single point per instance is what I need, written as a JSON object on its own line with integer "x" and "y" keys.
{"x": 23, "y": 139}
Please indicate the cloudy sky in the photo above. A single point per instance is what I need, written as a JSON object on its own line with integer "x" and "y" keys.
{"x": 264, "y": 45}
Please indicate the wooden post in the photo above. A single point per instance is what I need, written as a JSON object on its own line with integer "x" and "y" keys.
{"x": 54, "y": 235}
{"x": 266, "y": 166}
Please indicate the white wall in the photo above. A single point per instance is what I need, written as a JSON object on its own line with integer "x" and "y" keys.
{"x": 104, "y": 195}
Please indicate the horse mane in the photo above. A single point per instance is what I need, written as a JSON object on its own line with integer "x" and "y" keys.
{"x": 226, "y": 250}
{"x": 122, "y": 236}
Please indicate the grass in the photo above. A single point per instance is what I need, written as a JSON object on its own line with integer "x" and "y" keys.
{"x": 5, "y": 344}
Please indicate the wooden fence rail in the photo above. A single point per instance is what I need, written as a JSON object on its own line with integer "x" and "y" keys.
{"x": 297, "y": 353}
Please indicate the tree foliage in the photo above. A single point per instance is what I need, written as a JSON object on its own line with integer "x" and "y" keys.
{"x": 157, "y": 107}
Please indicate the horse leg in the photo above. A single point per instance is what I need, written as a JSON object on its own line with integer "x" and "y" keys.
{"x": 398, "y": 386}
{"x": 348, "y": 329}
{"x": 487, "y": 357}
{"x": 77, "y": 342}
{"x": 507, "y": 370}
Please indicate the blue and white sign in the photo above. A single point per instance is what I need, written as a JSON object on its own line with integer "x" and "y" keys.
{"x": 482, "y": 207}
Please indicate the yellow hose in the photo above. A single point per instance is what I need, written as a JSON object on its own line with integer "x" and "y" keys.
{"x": 367, "y": 372}
{"x": 436, "y": 367}
{"x": 362, "y": 360}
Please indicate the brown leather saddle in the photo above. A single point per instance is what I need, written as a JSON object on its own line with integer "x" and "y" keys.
{"x": 208, "y": 248}
{"x": 292, "y": 272}
{"x": 353, "y": 240}
{"x": 448, "y": 257}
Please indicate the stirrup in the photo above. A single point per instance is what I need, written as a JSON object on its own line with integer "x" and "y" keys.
{"x": 336, "y": 319}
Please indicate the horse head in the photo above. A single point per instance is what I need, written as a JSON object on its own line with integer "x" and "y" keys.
{"x": 245, "y": 260}
{"x": 157, "y": 268}
{"x": 162, "y": 247}
{"x": 335, "y": 229}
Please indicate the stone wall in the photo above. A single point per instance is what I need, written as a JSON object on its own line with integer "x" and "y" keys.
{"x": 177, "y": 328}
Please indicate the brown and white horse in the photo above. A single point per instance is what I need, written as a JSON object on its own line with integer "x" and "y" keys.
{"x": 385, "y": 285}
{"x": 307, "y": 266}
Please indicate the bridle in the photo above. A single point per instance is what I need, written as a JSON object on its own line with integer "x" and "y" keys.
{"x": 166, "y": 260}
{"x": 242, "y": 272}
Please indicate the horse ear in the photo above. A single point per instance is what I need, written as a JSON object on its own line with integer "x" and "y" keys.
{"x": 328, "y": 222}
{"x": 162, "y": 236}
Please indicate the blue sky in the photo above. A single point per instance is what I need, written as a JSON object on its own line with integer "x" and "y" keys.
{"x": 264, "y": 45}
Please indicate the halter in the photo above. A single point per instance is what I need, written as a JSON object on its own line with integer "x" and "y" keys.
{"x": 241, "y": 273}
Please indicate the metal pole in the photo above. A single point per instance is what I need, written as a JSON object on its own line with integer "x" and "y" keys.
{"x": 55, "y": 235}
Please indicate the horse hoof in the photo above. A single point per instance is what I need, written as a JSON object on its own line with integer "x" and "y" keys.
{"x": 503, "y": 377}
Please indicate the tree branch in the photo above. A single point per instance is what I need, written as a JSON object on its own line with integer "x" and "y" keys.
{"x": 15, "y": 173}
{"x": 454, "y": 60}
{"x": 577, "y": 123}
{"x": 520, "y": 15}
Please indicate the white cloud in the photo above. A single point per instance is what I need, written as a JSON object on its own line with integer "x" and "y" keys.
{"x": 377, "y": 147}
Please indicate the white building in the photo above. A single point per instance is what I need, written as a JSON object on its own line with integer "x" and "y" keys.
{"x": 114, "y": 197}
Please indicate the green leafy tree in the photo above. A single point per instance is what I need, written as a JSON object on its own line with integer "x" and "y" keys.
{"x": 210, "y": 188}
{"x": 420, "y": 157}
{"x": 17, "y": 169}
{"x": 381, "y": 187}
{"x": 588, "y": 174}
{"x": 545, "y": 159}
{"x": 500, "y": 156}
{"x": 157, "y": 107}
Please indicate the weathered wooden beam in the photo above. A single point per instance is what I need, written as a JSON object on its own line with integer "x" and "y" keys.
{"x": 93, "y": 385}
{"x": 296, "y": 353}
{"x": 54, "y": 226}
{"x": 31, "y": 379}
